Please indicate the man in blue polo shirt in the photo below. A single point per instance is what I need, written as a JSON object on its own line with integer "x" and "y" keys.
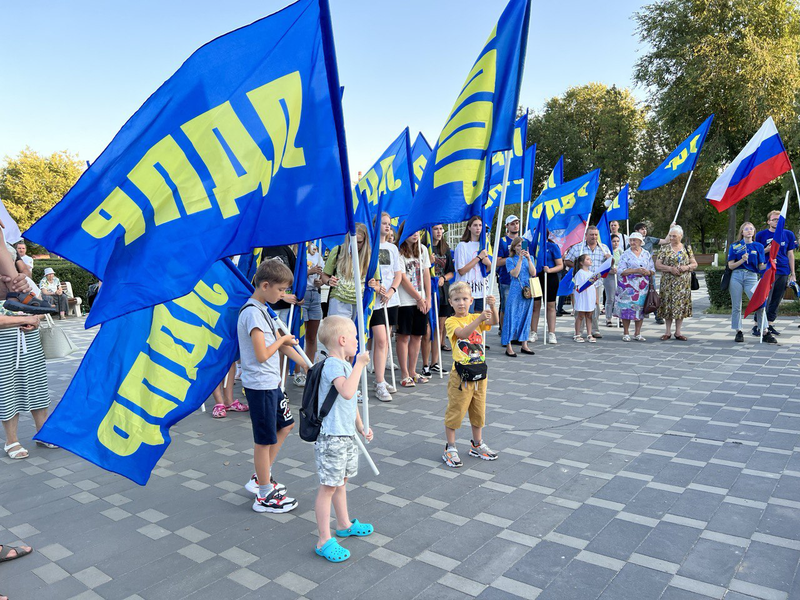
{"x": 785, "y": 267}
{"x": 503, "y": 278}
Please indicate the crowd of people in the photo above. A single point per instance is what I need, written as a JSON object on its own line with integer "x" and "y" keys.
{"x": 413, "y": 278}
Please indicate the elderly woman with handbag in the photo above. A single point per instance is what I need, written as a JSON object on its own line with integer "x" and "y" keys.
{"x": 676, "y": 263}
{"x": 519, "y": 301}
{"x": 633, "y": 283}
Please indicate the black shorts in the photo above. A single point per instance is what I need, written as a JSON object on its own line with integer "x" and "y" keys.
{"x": 445, "y": 310}
{"x": 552, "y": 285}
{"x": 269, "y": 412}
{"x": 411, "y": 321}
{"x": 377, "y": 317}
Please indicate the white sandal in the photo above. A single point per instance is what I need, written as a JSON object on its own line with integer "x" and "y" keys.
{"x": 15, "y": 454}
{"x": 591, "y": 339}
{"x": 626, "y": 338}
{"x": 579, "y": 339}
{"x": 639, "y": 338}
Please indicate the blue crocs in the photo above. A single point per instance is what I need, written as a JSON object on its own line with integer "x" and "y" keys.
{"x": 357, "y": 529}
{"x": 332, "y": 551}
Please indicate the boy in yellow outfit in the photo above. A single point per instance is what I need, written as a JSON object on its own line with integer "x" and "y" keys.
{"x": 466, "y": 388}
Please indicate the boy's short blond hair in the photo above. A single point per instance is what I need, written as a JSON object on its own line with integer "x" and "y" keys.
{"x": 273, "y": 271}
{"x": 332, "y": 327}
{"x": 460, "y": 286}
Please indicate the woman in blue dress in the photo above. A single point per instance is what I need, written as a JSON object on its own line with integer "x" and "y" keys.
{"x": 518, "y": 310}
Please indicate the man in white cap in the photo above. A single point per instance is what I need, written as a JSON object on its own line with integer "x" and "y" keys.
{"x": 503, "y": 278}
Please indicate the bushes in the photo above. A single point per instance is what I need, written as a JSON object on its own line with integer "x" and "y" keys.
{"x": 719, "y": 299}
{"x": 66, "y": 271}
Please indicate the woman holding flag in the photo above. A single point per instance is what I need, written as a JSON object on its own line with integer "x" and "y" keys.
{"x": 553, "y": 265}
{"x": 519, "y": 302}
{"x": 634, "y": 272}
{"x": 338, "y": 273}
{"x": 746, "y": 260}
{"x": 468, "y": 260}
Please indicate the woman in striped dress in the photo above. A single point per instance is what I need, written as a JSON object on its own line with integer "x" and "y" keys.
{"x": 23, "y": 378}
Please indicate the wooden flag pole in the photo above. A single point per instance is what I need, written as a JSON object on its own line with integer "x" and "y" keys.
{"x": 685, "y": 188}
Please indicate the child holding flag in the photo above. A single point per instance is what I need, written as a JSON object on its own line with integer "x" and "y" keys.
{"x": 466, "y": 388}
{"x": 335, "y": 450}
{"x": 586, "y": 300}
{"x": 259, "y": 345}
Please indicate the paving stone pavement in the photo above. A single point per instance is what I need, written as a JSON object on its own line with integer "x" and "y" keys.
{"x": 658, "y": 470}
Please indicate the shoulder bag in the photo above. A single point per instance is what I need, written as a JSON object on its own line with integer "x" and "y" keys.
{"x": 55, "y": 341}
{"x": 653, "y": 300}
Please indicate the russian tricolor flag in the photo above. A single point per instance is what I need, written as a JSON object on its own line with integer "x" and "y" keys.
{"x": 764, "y": 286}
{"x": 763, "y": 159}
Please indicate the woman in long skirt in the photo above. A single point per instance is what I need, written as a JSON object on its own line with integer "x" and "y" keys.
{"x": 518, "y": 310}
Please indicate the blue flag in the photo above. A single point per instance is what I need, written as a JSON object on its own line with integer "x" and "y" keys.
{"x": 248, "y": 263}
{"x": 146, "y": 371}
{"x": 299, "y": 284}
{"x": 391, "y": 178}
{"x": 604, "y": 229}
{"x": 518, "y": 189}
{"x": 528, "y": 165}
{"x": 682, "y": 160}
{"x": 563, "y": 202}
{"x": 244, "y": 138}
{"x": 565, "y": 286}
{"x": 453, "y": 187}
{"x": 515, "y": 169}
{"x": 618, "y": 209}
{"x": 420, "y": 153}
{"x": 538, "y": 240}
{"x": 556, "y": 176}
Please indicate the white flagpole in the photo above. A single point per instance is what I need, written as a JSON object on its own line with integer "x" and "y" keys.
{"x": 389, "y": 342}
{"x": 796, "y": 189}
{"x": 544, "y": 300}
{"x": 500, "y": 211}
{"x": 627, "y": 233}
{"x": 686, "y": 187}
{"x": 437, "y": 338}
{"x": 304, "y": 356}
{"x": 362, "y": 331}
{"x": 286, "y": 360}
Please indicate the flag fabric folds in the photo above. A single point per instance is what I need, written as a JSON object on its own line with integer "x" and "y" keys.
{"x": 763, "y": 159}
{"x": 299, "y": 284}
{"x": 453, "y": 186}
{"x": 390, "y": 178}
{"x": 565, "y": 286}
{"x": 420, "y": 153}
{"x": 618, "y": 210}
{"x": 604, "y": 229}
{"x": 248, "y": 263}
{"x": 249, "y": 127}
{"x": 682, "y": 160}
{"x": 146, "y": 371}
{"x": 764, "y": 286}
{"x": 556, "y": 176}
{"x": 571, "y": 199}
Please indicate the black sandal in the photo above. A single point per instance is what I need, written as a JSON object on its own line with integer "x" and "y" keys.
{"x": 511, "y": 355}
{"x": 6, "y": 550}
{"x": 526, "y": 351}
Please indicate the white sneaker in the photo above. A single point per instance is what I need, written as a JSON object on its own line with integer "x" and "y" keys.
{"x": 533, "y": 336}
{"x": 551, "y": 338}
{"x": 382, "y": 393}
{"x": 300, "y": 379}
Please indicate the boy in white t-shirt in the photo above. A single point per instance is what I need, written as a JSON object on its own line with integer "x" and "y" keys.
{"x": 335, "y": 450}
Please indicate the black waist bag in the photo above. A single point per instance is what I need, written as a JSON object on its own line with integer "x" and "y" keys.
{"x": 472, "y": 372}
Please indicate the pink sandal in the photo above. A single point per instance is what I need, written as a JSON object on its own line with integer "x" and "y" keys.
{"x": 237, "y": 406}
{"x": 219, "y": 412}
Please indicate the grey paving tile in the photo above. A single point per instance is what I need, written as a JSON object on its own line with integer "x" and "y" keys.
{"x": 634, "y": 582}
{"x": 578, "y": 581}
{"x": 769, "y": 566}
{"x": 712, "y": 562}
{"x": 670, "y": 542}
{"x": 542, "y": 564}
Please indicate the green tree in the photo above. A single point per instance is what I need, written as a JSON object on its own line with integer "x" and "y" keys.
{"x": 735, "y": 58}
{"x": 592, "y": 126}
{"x": 31, "y": 184}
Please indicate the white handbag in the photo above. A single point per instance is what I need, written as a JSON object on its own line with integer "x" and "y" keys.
{"x": 55, "y": 341}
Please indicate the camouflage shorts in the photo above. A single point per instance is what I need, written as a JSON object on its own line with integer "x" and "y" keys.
{"x": 336, "y": 457}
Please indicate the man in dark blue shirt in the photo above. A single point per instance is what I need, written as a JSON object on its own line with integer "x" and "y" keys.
{"x": 785, "y": 267}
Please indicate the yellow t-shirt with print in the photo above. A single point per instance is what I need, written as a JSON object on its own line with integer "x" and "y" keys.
{"x": 470, "y": 350}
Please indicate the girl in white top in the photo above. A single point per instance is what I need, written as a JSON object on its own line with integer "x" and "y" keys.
{"x": 467, "y": 261}
{"x": 586, "y": 300}
{"x": 386, "y": 289}
{"x": 414, "y": 294}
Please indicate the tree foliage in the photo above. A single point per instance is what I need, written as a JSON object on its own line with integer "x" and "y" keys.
{"x": 592, "y": 126}
{"x": 735, "y": 58}
{"x": 31, "y": 184}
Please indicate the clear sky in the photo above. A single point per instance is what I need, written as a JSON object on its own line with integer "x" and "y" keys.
{"x": 73, "y": 72}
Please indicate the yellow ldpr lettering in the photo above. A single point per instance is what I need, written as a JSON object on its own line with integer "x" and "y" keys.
{"x": 198, "y": 337}
{"x": 121, "y": 211}
{"x": 693, "y": 144}
{"x": 679, "y": 160}
{"x": 134, "y": 390}
{"x": 136, "y": 431}
{"x": 144, "y": 175}
{"x": 388, "y": 182}
{"x": 582, "y": 191}
{"x": 267, "y": 102}
{"x": 567, "y": 202}
{"x": 222, "y": 121}
{"x": 191, "y": 302}
{"x": 518, "y": 148}
{"x": 419, "y": 167}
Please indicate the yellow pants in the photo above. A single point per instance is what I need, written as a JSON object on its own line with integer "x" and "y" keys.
{"x": 470, "y": 398}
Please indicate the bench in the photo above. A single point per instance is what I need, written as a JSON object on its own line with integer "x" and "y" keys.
{"x": 706, "y": 259}
{"x": 73, "y": 302}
